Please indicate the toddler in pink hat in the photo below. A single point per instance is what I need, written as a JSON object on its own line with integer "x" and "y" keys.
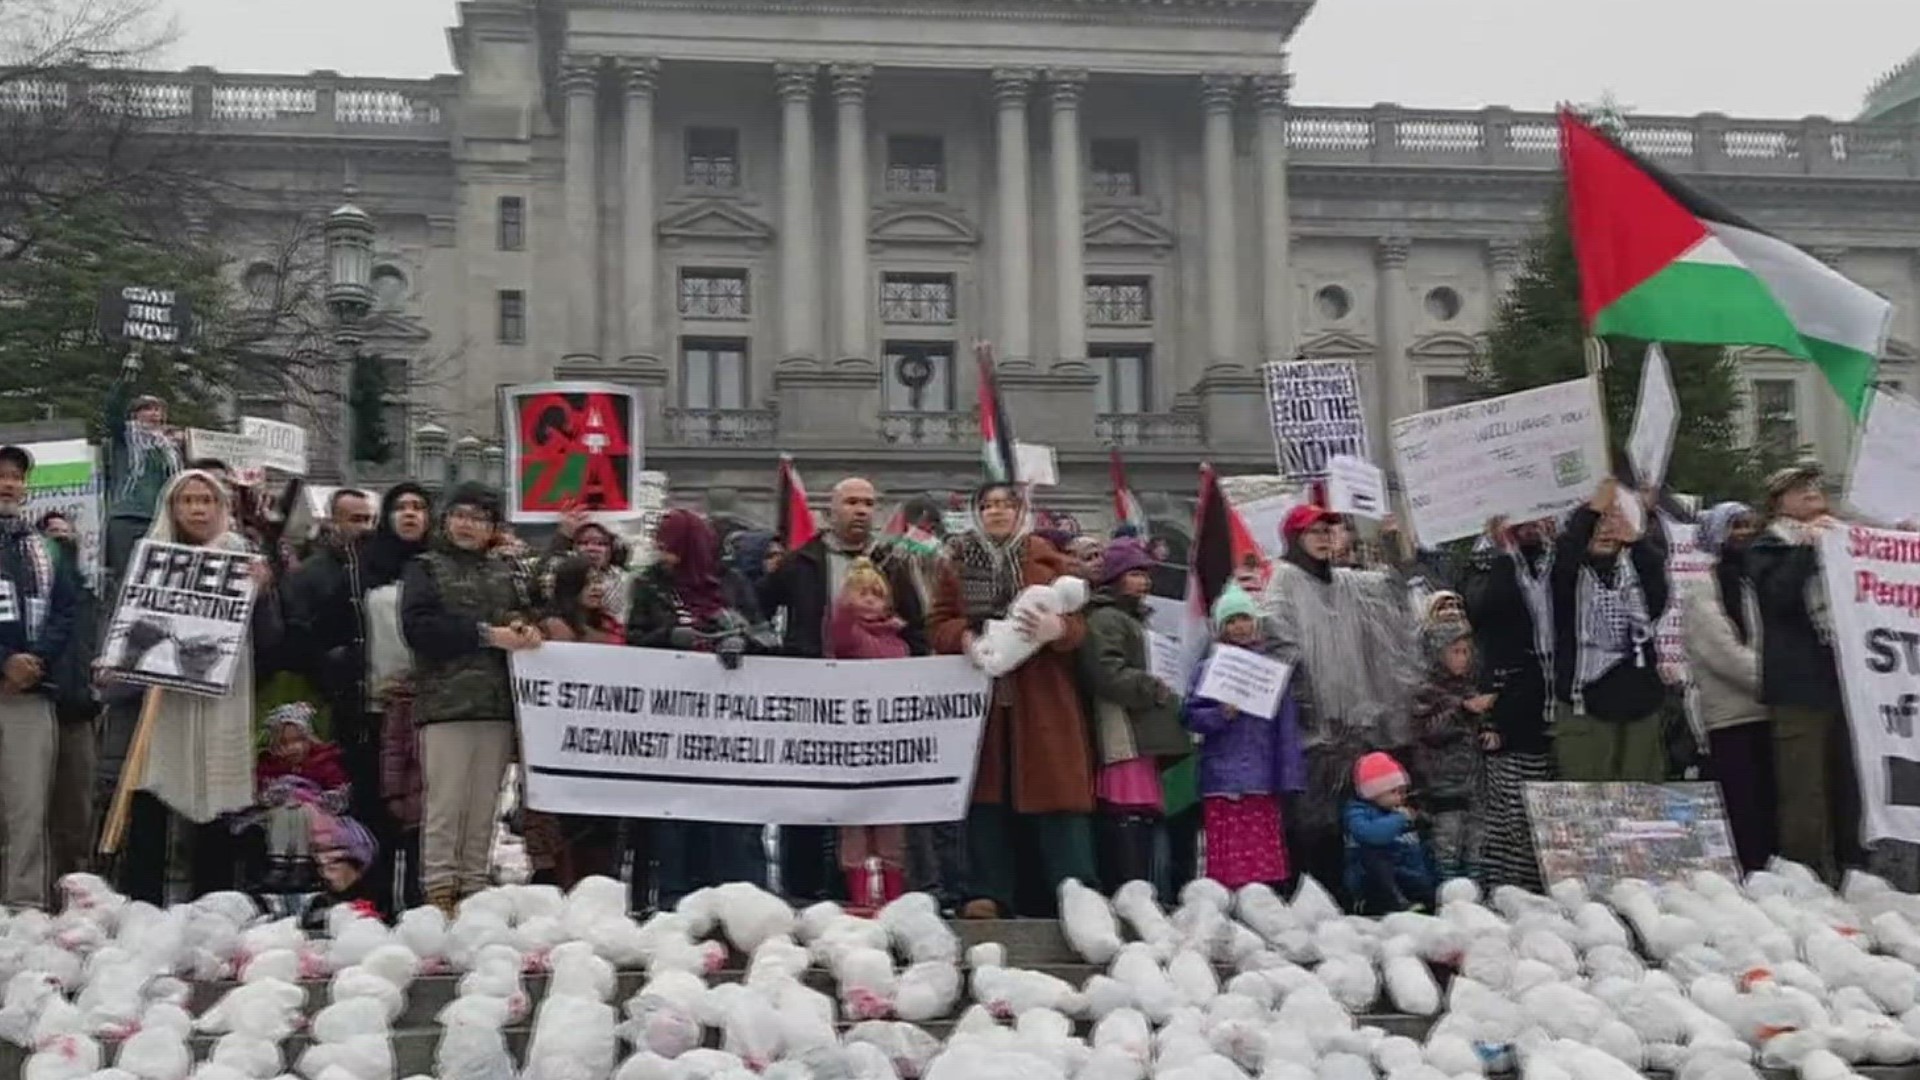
{"x": 1387, "y": 865}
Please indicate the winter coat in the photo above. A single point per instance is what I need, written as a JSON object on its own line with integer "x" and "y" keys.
{"x": 803, "y": 585}
{"x": 1246, "y": 754}
{"x": 134, "y": 486}
{"x": 71, "y": 673}
{"x": 403, "y": 784}
{"x": 446, "y": 596}
{"x": 1796, "y": 657}
{"x": 1510, "y": 664}
{"x": 27, "y": 558}
{"x": 1370, "y": 827}
{"x": 1036, "y": 751}
{"x": 1725, "y": 670}
{"x": 1446, "y": 753}
{"x": 655, "y": 612}
{"x": 322, "y": 767}
{"x": 854, "y": 638}
{"x": 1631, "y": 689}
{"x": 1133, "y": 713}
{"x": 323, "y": 615}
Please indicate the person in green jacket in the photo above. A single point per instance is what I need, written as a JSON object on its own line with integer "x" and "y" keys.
{"x": 141, "y": 457}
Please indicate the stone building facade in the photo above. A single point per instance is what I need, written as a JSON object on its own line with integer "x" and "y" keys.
{"x": 769, "y": 214}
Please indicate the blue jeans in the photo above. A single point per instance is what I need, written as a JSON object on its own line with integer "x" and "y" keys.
{"x": 691, "y": 855}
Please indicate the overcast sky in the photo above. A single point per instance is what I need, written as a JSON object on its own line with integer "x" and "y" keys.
{"x": 1772, "y": 58}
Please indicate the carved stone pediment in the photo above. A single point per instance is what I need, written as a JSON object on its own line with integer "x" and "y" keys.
{"x": 712, "y": 221}
{"x": 1446, "y": 347}
{"x": 921, "y": 227}
{"x": 1337, "y": 345}
{"x": 1127, "y": 229}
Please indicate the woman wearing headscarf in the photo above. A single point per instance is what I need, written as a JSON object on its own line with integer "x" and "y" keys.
{"x": 406, "y": 522}
{"x": 687, "y": 600}
{"x": 200, "y": 760}
{"x": 1035, "y": 775}
{"x": 1720, "y": 619}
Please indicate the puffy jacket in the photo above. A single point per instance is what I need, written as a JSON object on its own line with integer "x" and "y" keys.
{"x": 1134, "y": 714}
{"x": 1369, "y": 826}
{"x": 1725, "y": 670}
{"x": 1446, "y": 750}
{"x": 1246, "y": 754}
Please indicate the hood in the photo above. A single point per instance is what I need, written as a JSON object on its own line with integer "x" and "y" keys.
{"x": 163, "y": 530}
{"x": 749, "y": 553}
{"x": 1435, "y": 640}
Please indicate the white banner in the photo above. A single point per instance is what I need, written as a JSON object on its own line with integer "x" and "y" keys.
{"x": 1873, "y": 590}
{"x": 1523, "y": 456}
{"x": 617, "y": 732}
{"x": 1884, "y": 483}
{"x": 1316, "y": 412}
{"x": 182, "y": 617}
{"x": 1655, "y": 419}
{"x": 1686, "y": 564}
{"x": 277, "y": 445}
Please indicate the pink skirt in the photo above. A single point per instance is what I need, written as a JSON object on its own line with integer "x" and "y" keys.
{"x": 1133, "y": 784}
{"x": 1244, "y": 843}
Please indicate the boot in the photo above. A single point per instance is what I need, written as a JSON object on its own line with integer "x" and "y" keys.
{"x": 279, "y": 877}
{"x": 444, "y": 897}
{"x": 895, "y": 884}
{"x": 860, "y": 898}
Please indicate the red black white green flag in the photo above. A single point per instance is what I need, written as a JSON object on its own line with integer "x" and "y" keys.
{"x": 796, "y": 517}
{"x": 1126, "y": 507}
{"x": 996, "y": 429}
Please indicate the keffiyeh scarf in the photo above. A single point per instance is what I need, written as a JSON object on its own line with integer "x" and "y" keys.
{"x": 18, "y": 532}
{"x": 990, "y": 573}
{"x": 141, "y": 443}
{"x": 1613, "y": 622}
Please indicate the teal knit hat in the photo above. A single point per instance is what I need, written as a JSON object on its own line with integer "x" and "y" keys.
{"x": 1233, "y": 601}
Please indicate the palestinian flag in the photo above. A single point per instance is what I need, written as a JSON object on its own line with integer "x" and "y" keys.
{"x": 1661, "y": 262}
{"x": 1126, "y": 508}
{"x": 906, "y": 535}
{"x": 996, "y": 429}
{"x": 1221, "y": 544}
{"x": 796, "y": 525}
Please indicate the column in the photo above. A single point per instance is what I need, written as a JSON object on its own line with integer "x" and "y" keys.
{"x": 799, "y": 230}
{"x": 1069, "y": 227}
{"x": 640, "y": 259}
{"x": 1276, "y": 233}
{"x": 850, "y": 105}
{"x": 1015, "y": 225}
{"x": 1390, "y": 374}
{"x": 1217, "y": 94}
{"x": 581, "y": 80}
{"x": 1506, "y": 258}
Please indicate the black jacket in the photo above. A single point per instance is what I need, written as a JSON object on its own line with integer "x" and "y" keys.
{"x": 1796, "y": 666}
{"x": 654, "y": 613}
{"x": 323, "y": 616}
{"x": 70, "y": 675}
{"x": 1510, "y": 664}
{"x": 802, "y": 585}
{"x": 62, "y": 598}
{"x": 1629, "y": 690}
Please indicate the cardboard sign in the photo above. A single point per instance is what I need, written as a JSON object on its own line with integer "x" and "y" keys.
{"x": 1315, "y": 409}
{"x": 143, "y": 314}
{"x": 572, "y": 444}
{"x": 182, "y": 618}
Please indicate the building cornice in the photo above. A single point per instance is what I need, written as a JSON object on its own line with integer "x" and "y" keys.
{"x": 1283, "y": 15}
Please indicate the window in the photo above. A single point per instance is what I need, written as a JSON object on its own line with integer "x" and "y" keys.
{"x": 1125, "y": 372}
{"x": 1114, "y": 168}
{"x": 916, "y": 165}
{"x": 1446, "y": 391}
{"x": 919, "y": 376}
{"x": 916, "y": 298}
{"x": 513, "y": 317}
{"x": 513, "y": 223}
{"x": 1776, "y": 424}
{"x": 713, "y": 158}
{"x": 1119, "y": 301}
{"x": 713, "y": 294}
{"x": 713, "y": 373}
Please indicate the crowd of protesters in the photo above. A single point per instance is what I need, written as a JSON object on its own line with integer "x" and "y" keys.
{"x": 370, "y": 726}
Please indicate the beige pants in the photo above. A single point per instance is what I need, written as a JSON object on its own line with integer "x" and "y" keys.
{"x": 29, "y": 741}
{"x": 463, "y": 763}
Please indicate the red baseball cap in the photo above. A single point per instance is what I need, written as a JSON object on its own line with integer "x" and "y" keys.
{"x": 1304, "y": 517}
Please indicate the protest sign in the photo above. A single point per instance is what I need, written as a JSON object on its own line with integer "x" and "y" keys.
{"x": 1244, "y": 679}
{"x": 182, "y": 618}
{"x": 1314, "y": 407}
{"x": 1523, "y": 456}
{"x": 1872, "y": 578}
{"x": 1163, "y": 660}
{"x": 138, "y": 314}
{"x": 230, "y": 448}
{"x": 572, "y": 444}
{"x": 276, "y": 445}
{"x": 66, "y": 481}
{"x": 1655, "y": 419}
{"x": 1601, "y": 833}
{"x": 1356, "y": 487}
{"x": 654, "y": 733}
{"x": 1036, "y": 464}
{"x": 1884, "y": 483}
{"x": 1686, "y": 564}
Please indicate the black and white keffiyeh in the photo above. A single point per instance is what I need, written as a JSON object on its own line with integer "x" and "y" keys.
{"x": 1612, "y": 620}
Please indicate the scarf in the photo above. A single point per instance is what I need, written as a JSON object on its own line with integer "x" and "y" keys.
{"x": 1730, "y": 572}
{"x": 384, "y": 555}
{"x": 1612, "y": 620}
{"x": 990, "y": 573}
{"x": 695, "y": 576}
{"x": 17, "y": 532}
{"x": 1535, "y": 578}
{"x": 142, "y": 442}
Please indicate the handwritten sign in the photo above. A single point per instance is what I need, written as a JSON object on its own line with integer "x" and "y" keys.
{"x": 182, "y": 618}
{"x": 1884, "y": 483}
{"x": 1523, "y": 456}
{"x": 1315, "y": 409}
{"x": 1686, "y": 563}
{"x": 1244, "y": 679}
{"x": 142, "y": 314}
{"x": 1356, "y": 487}
{"x": 1163, "y": 660}
{"x": 277, "y": 445}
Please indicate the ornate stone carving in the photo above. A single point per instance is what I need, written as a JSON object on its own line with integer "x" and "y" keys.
{"x": 1391, "y": 252}
{"x": 795, "y": 81}
{"x": 580, "y": 74}
{"x": 1508, "y": 257}
{"x": 850, "y": 82}
{"x": 1217, "y": 92}
{"x": 639, "y": 75}
{"x": 1065, "y": 85}
{"x": 1011, "y": 86}
{"x": 1270, "y": 92}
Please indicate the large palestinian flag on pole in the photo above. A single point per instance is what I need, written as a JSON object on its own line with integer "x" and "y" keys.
{"x": 1661, "y": 262}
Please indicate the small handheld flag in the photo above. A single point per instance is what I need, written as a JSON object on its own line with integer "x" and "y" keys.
{"x": 796, "y": 517}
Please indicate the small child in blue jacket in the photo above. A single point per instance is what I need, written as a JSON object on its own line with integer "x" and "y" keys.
{"x": 1387, "y": 867}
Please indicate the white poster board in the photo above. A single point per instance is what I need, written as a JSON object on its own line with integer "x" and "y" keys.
{"x": 66, "y": 480}
{"x": 1873, "y": 590}
{"x": 1686, "y": 564}
{"x": 1655, "y": 419}
{"x": 1036, "y": 464}
{"x": 1522, "y": 456}
{"x": 1316, "y": 412}
{"x": 1884, "y": 483}
{"x": 182, "y": 617}
{"x": 1356, "y": 487}
{"x": 1163, "y": 660}
{"x": 239, "y": 453}
{"x": 277, "y": 445}
{"x": 653, "y": 733}
{"x": 1244, "y": 679}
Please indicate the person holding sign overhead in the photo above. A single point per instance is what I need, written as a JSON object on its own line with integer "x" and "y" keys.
{"x": 141, "y": 458}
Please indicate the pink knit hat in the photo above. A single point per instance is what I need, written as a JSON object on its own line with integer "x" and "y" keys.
{"x": 1376, "y": 774}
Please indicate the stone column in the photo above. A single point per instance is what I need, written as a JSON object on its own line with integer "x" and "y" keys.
{"x": 1276, "y": 234}
{"x": 1015, "y": 218}
{"x": 640, "y": 255}
{"x": 850, "y": 101}
{"x": 1390, "y": 372}
{"x": 581, "y": 80}
{"x": 1217, "y": 94}
{"x": 1069, "y": 226}
{"x": 1506, "y": 258}
{"x": 799, "y": 230}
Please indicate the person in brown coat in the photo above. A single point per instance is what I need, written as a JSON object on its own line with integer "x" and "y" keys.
{"x": 1035, "y": 775}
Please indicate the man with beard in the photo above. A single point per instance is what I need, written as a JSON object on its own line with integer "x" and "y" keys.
{"x": 326, "y": 614}
{"x": 806, "y": 583}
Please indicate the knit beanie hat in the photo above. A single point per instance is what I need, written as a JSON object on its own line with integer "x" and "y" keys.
{"x": 298, "y": 713}
{"x": 1233, "y": 601}
{"x": 1122, "y": 557}
{"x": 477, "y": 496}
{"x": 1376, "y": 774}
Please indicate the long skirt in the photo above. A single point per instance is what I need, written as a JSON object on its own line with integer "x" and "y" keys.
{"x": 1506, "y": 835}
{"x": 1243, "y": 840}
